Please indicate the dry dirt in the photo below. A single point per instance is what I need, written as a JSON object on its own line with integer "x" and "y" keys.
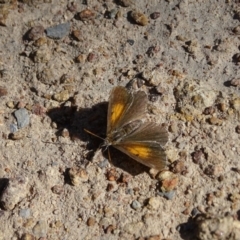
{"x": 54, "y": 181}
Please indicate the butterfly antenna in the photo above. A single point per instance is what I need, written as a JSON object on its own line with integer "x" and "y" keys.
{"x": 93, "y": 134}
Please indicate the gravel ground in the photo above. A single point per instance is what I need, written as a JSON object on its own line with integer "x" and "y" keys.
{"x": 59, "y": 61}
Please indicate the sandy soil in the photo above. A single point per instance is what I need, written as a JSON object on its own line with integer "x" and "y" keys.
{"x": 59, "y": 61}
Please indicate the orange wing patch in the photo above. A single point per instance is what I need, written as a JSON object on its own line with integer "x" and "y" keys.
{"x": 117, "y": 110}
{"x": 139, "y": 151}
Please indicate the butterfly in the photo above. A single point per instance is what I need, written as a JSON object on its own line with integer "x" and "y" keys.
{"x": 127, "y": 132}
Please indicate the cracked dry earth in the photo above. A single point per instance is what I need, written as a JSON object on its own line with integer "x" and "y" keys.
{"x": 59, "y": 60}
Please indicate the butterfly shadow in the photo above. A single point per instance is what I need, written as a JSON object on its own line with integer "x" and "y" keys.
{"x": 94, "y": 120}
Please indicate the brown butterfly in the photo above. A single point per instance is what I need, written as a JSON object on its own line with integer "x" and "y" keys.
{"x": 126, "y": 131}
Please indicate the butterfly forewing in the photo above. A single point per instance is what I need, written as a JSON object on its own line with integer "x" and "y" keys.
{"x": 125, "y": 107}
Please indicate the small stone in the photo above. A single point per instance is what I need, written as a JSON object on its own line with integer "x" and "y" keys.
{"x": 72, "y": 7}
{"x": 38, "y": 110}
{"x": 215, "y": 121}
{"x": 155, "y": 15}
{"x": 167, "y": 195}
{"x": 58, "y": 31}
{"x": 3, "y": 91}
{"x": 178, "y": 167}
{"x": 125, "y": 178}
{"x": 25, "y": 213}
{"x": 198, "y": 157}
{"x": 91, "y": 221}
{"x": 126, "y": 3}
{"x": 20, "y": 134}
{"x": 103, "y": 163}
{"x": 42, "y": 55}
{"x": 111, "y": 174}
{"x": 35, "y": 33}
{"x": 209, "y": 110}
{"x": 40, "y": 229}
{"x": 27, "y": 236}
{"x": 57, "y": 189}
{"x": 65, "y": 133}
{"x": 10, "y": 104}
{"x": 154, "y": 203}
{"x": 77, "y": 175}
{"x": 136, "y": 204}
{"x": 235, "y": 82}
{"x": 77, "y": 35}
{"x": 236, "y": 30}
{"x": 155, "y": 237}
{"x": 81, "y": 58}
{"x": 139, "y": 18}
{"x": 92, "y": 57}
{"x": 238, "y": 129}
{"x": 62, "y": 96}
{"x": 22, "y": 117}
{"x": 235, "y": 103}
{"x": 213, "y": 170}
{"x": 15, "y": 191}
{"x": 110, "y": 187}
{"x": 169, "y": 181}
{"x": 13, "y": 128}
{"x": 110, "y": 229}
{"x": 86, "y": 15}
{"x": 40, "y": 42}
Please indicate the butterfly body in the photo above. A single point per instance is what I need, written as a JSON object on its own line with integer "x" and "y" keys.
{"x": 126, "y": 130}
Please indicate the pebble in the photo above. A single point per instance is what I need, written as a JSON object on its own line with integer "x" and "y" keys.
{"x": 169, "y": 181}
{"x": 27, "y": 236}
{"x": 58, "y": 31}
{"x": 238, "y": 129}
{"x": 57, "y": 189}
{"x": 103, "y": 163}
{"x": 167, "y": 195}
{"x": 65, "y": 133}
{"x": 126, "y": 3}
{"x": 35, "y": 33}
{"x": 92, "y": 57}
{"x": 77, "y": 175}
{"x": 235, "y": 103}
{"x": 20, "y": 134}
{"x": 154, "y": 203}
{"x": 86, "y": 15}
{"x": 215, "y": 121}
{"x": 3, "y": 91}
{"x": 77, "y": 35}
{"x": 10, "y": 104}
{"x": 235, "y": 82}
{"x": 13, "y": 128}
{"x": 136, "y": 204}
{"x": 139, "y": 18}
{"x": 155, "y": 15}
{"x": 42, "y": 55}
{"x": 236, "y": 30}
{"x": 22, "y": 117}
{"x": 15, "y": 191}
{"x": 91, "y": 221}
{"x": 81, "y": 58}
{"x": 40, "y": 229}
{"x": 25, "y": 213}
{"x": 62, "y": 96}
